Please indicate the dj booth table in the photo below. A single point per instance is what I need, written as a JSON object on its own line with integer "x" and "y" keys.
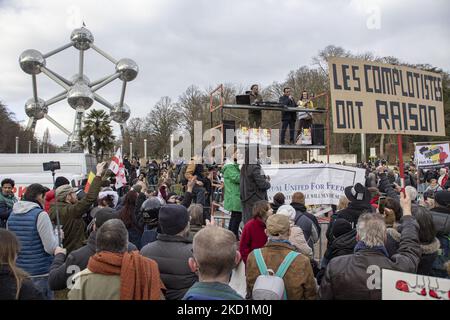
{"x": 223, "y": 125}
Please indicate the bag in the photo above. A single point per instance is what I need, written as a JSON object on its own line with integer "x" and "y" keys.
{"x": 270, "y": 286}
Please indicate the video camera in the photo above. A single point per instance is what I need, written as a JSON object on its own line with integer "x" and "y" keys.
{"x": 51, "y": 166}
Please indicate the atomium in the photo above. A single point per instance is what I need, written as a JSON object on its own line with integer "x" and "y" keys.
{"x": 79, "y": 91}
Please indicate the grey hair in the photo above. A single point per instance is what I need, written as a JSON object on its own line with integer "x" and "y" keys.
{"x": 112, "y": 236}
{"x": 412, "y": 192}
{"x": 371, "y": 229}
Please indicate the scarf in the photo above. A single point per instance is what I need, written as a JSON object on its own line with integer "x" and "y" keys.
{"x": 362, "y": 246}
{"x": 9, "y": 200}
{"x": 139, "y": 276}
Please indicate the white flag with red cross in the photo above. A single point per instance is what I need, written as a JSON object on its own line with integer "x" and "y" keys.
{"x": 117, "y": 167}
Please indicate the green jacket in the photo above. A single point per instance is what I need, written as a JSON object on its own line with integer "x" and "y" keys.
{"x": 94, "y": 286}
{"x": 232, "y": 179}
{"x": 71, "y": 217}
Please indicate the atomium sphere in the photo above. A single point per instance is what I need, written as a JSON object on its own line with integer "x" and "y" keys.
{"x": 80, "y": 96}
{"x": 36, "y": 110}
{"x": 128, "y": 68}
{"x": 31, "y": 61}
{"x": 76, "y": 79}
{"x": 81, "y": 38}
{"x": 120, "y": 114}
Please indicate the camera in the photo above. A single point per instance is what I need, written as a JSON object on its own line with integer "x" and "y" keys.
{"x": 51, "y": 166}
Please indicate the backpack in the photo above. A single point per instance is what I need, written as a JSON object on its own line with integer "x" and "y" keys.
{"x": 270, "y": 286}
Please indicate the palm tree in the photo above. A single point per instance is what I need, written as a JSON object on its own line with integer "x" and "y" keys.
{"x": 97, "y": 134}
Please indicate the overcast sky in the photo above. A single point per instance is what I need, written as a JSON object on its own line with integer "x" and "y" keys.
{"x": 177, "y": 43}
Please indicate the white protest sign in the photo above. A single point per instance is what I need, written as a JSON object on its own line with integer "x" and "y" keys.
{"x": 432, "y": 154}
{"x": 320, "y": 183}
{"x": 408, "y": 286}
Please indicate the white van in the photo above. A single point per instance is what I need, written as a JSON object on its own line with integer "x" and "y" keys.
{"x": 26, "y": 169}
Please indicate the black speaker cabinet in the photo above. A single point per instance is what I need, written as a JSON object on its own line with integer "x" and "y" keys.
{"x": 318, "y": 134}
{"x": 228, "y": 125}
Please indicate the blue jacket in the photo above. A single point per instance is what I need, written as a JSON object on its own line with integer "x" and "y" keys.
{"x": 32, "y": 256}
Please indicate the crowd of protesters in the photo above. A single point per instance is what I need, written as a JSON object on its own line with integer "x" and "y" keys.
{"x": 154, "y": 238}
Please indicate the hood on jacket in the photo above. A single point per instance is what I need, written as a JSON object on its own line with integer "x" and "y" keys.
{"x": 50, "y": 195}
{"x": 23, "y": 207}
{"x": 426, "y": 248}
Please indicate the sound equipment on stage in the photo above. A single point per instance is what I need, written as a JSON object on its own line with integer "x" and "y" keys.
{"x": 318, "y": 134}
{"x": 243, "y": 99}
{"x": 228, "y": 125}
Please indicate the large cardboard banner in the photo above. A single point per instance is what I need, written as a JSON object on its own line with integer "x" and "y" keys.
{"x": 432, "y": 155}
{"x": 320, "y": 183}
{"x": 397, "y": 285}
{"x": 371, "y": 97}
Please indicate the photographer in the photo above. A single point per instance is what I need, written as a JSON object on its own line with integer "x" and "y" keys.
{"x": 71, "y": 211}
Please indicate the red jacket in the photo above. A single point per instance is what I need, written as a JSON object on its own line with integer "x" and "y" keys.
{"x": 253, "y": 237}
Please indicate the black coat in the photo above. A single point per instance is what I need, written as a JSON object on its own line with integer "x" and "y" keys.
{"x": 62, "y": 268}
{"x": 172, "y": 254}
{"x": 288, "y": 116}
{"x": 441, "y": 220}
{"x": 351, "y": 214}
{"x": 347, "y": 277}
{"x": 253, "y": 184}
{"x": 8, "y": 287}
{"x": 429, "y": 251}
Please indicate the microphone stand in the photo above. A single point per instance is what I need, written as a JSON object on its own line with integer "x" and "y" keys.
{"x": 58, "y": 223}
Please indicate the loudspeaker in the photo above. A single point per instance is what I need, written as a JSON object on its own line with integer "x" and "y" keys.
{"x": 318, "y": 134}
{"x": 228, "y": 125}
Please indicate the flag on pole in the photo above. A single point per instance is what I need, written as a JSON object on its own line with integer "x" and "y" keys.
{"x": 116, "y": 161}
{"x": 90, "y": 179}
{"x": 117, "y": 167}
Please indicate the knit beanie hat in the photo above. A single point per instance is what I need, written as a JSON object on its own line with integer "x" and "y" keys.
{"x": 173, "y": 219}
{"x": 340, "y": 227}
{"x": 60, "y": 181}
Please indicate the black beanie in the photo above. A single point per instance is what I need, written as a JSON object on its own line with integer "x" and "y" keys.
{"x": 340, "y": 227}
{"x": 60, "y": 181}
{"x": 173, "y": 219}
{"x": 103, "y": 215}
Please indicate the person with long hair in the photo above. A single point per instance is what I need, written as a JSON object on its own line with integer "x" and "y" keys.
{"x": 128, "y": 214}
{"x": 14, "y": 282}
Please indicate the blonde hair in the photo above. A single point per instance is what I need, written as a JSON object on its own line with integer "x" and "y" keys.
{"x": 9, "y": 250}
{"x": 343, "y": 203}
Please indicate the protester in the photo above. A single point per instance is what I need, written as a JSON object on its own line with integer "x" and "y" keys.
{"x": 429, "y": 244}
{"x": 70, "y": 211}
{"x": 196, "y": 218}
{"x": 254, "y": 116}
{"x": 149, "y": 212}
{"x": 113, "y": 273}
{"x": 172, "y": 250}
{"x": 106, "y": 199}
{"x": 253, "y": 185}
{"x": 342, "y": 243}
{"x": 196, "y": 169}
{"x": 213, "y": 266}
{"x": 305, "y": 220}
{"x": 433, "y": 186}
{"x": 299, "y": 280}
{"x": 15, "y": 283}
{"x": 133, "y": 222}
{"x": 347, "y": 277}
{"x": 34, "y": 230}
{"x": 253, "y": 235}
{"x": 278, "y": 200}
{"x": 64, "y": 268}
{"x": 232, "y": 196}
{"x": 7, "y": 201}
{"x": 443, "y": 177}
{"x": 296, "y": 237}
{"x": 359, "y": 198}
{"x": 50, "y": 195}
{"x": 287, "y": 118}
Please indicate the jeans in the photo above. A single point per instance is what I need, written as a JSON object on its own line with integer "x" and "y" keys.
{"x": 41, "y": 283}
{"x": 200, "y": 195}
{"x": 284, "y": 126}
{"x": 153, "y": 181}
{"x": 235, "y": 220}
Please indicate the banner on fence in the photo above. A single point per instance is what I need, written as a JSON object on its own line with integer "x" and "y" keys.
{"x": 320, "y": 183}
